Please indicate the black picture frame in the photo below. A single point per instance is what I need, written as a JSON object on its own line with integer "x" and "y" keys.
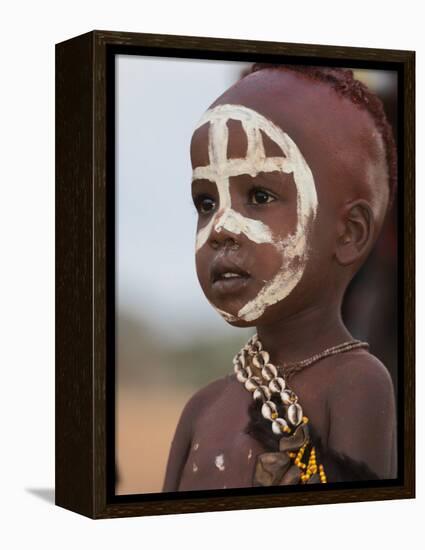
{"x": 85, "y": 273}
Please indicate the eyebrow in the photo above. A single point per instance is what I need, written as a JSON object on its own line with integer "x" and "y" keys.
{"x": 277, "y": 177}
{"x": 202, "y": 180}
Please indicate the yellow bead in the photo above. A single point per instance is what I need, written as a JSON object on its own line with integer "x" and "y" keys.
{"x": 305, "y": 419}
{"x": 274, "y": 415}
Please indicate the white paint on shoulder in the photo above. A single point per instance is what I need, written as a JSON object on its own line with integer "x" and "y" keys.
{"x": 219, "y": 462}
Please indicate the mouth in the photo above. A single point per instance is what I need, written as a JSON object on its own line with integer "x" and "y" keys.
{"x": 228, "y": 277}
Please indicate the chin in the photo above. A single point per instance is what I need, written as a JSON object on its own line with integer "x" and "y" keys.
{"x": 240, "y": 323}
{"x": 230, "y": 315}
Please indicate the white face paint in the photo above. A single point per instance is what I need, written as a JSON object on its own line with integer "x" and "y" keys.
{"x": 294, "y": 247}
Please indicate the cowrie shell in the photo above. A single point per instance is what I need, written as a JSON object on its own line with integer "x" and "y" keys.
{"x": 265, "y": 357}
{"x": 262, "y": 392}
{"x": 286, "y": 397}
{"x": 252, "y": 383}
{"x": 278, "y": 425}
{"x": 267, "y": 409}
{"x": 277, "y": 385}
{"x": 295, "y": 414}
{"x": 256, "y": 362}
{"x": 269, "y": 372}
{"x": 241, "y": 376}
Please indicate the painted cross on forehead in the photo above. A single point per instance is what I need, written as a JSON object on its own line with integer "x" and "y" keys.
{"x": 221, "y": 168}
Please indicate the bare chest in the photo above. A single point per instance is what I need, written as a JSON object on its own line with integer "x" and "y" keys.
{"x": 222, "y": 455}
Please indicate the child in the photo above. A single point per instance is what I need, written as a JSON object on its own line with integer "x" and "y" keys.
{"x": 293, "y": 172}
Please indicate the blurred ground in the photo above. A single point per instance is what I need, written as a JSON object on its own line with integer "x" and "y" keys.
{"x": 145, "y": 425}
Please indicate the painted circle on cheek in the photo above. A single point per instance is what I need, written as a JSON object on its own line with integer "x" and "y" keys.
{"x": 294, "y": 249}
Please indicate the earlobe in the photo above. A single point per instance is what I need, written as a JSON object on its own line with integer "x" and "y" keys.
{"x": 356, "y": 230}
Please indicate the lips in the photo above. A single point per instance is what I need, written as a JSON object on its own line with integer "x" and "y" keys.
{"x": 227, "y": 275}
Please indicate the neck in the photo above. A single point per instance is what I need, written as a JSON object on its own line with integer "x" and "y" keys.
{"x": 304, "y": 334}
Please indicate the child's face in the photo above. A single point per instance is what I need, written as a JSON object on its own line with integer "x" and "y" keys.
{"x": 256, "y": 199}
{"x": 259, "y": 212}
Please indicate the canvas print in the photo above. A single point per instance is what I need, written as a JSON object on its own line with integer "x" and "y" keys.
{"x": 256, "y": 275}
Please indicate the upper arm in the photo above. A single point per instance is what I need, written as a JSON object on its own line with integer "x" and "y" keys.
{"x": 362, "y": 416}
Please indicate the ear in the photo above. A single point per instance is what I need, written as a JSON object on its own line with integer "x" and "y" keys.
{"x": 355, "y": 232}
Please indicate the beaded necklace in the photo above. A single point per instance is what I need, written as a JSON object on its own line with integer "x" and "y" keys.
{"x": 296, "y": 461}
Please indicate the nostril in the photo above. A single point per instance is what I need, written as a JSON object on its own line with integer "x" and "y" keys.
{"x": 232, "y": 244}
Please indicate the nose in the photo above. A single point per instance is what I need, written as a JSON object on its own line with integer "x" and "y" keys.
{"x": 223, "y": 232}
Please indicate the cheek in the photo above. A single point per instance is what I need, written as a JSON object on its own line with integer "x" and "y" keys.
{"x": 268, "y": 261}
{"x": 283, "y": 223}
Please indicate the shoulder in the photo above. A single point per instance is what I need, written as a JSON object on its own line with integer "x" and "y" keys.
{"x": 206, "y": 396}
{"x": 362, "y": 414}
{"x": 361, "y": 376}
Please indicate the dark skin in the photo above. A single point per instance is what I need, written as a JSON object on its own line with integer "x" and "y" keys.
{"x": 349, "y": 397}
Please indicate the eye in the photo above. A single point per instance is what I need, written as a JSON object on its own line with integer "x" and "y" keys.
{"x": 260, "y": 196}
{"x": 204, "y": 204}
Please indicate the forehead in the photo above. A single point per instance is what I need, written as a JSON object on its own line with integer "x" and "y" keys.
{"x": 237, "y": 132}
{"x": 338, "y": 139}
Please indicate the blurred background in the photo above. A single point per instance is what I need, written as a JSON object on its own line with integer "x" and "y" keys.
{"x": 169, "y": 340}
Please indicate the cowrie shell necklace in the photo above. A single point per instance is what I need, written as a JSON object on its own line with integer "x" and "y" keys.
{"x": 260, "y": 377}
